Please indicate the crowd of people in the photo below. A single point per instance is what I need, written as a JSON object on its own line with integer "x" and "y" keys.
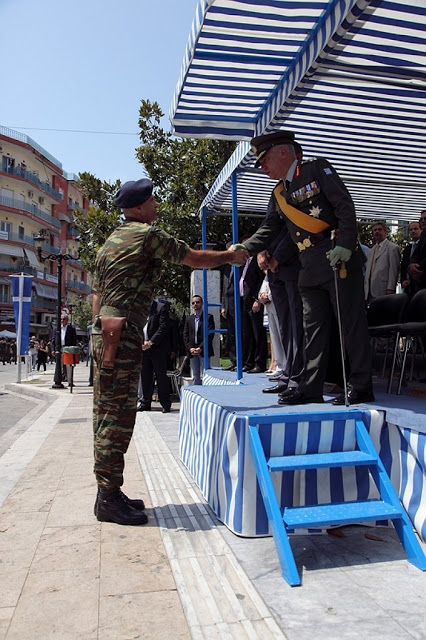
{"x": 40, "y": 350}
{"x": 8, "y": 351}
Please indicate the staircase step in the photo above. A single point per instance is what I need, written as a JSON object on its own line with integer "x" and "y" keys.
{"x": 339, "y": 513}
{"x": 320, "y": 460}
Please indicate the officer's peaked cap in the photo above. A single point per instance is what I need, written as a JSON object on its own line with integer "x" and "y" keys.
{"x": 261, "y": 144}
{"x": 133, "y": 193}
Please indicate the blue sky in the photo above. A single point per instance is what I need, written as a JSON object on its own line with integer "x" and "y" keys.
{"x": 85, "y": 65}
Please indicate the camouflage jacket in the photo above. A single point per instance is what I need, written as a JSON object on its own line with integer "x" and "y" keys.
{"x": 129, "y": 264}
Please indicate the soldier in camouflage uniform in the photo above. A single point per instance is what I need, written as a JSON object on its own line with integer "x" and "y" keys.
{"x": 127, "y": 268}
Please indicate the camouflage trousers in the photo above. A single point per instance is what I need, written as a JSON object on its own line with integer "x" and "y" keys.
{"x": 115, "y": 394}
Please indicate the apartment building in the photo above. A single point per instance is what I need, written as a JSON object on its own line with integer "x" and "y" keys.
{"x": 37, "y": 195}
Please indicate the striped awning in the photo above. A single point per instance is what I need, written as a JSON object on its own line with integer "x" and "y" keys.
{"x": 348, "y": 77}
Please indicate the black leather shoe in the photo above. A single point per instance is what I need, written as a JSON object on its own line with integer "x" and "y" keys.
{"x": 232, "y": 367}
{"x": 112, "y": 507}
{"x": 139, "y": 505}
{"x": 294, "y": 396}
{"x": 277, "y": 388}
{"x": 256, "y": 369}
{"x": 247, "y": 367}
{"x": 144, "y": 407}
{"x": 354, "y": 397}
{"x": 165, "y": 409}
{"x": 289, "y": 392}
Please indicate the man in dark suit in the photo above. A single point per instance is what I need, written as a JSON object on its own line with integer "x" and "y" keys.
{"x": 155, "y": 353}
{"x": 253, "y": 333}
{"x": 417, "y": 267}
{"x": 194, "y": 340}
{"x": 414, "y": 231}
{"x": 312, "y": 201}
{"x": 228, "y": 312}
{"x": 68, "y": 339}
{"x": 288, "y": 303}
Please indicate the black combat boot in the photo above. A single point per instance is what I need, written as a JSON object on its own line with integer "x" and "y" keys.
{"x": 112, "y": 507}
{"x": 139, "y": 505}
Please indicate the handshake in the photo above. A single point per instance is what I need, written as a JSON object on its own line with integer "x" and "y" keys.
{"x": 238, "y": 254}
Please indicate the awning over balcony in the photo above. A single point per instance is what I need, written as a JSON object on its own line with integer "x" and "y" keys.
{"x": 11, "y": 250}
{"x": 32, "y": 258}
{"x": 348, "y": 77}
{"x": 45, "y": 291}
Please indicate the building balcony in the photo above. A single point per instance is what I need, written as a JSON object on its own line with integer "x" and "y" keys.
{"x": 29, "y": 240}
{"x": 42, "y": 303}
{"x": 72, "y": 234}
{"x": 22, "y": 137}
{"x": 18, "y": 268}
{"x": 6, "y": 298}
{"x": 34, "y": 179}
{"x": 71, "y": 206}
{"x": 12, "y": 203}
{"x": 80, "y": 286}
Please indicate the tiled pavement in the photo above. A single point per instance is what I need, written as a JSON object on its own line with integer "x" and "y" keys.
{"x": 184, "y": 575}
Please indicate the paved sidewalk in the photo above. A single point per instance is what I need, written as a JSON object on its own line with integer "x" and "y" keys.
{"x": 184, "y": 575}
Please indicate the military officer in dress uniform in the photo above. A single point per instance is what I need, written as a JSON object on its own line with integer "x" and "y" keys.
{"x": 313, "y": 202}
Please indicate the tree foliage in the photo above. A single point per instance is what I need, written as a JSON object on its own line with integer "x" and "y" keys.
{"x": 96, "y": 224}
{"x": 81, "y": 312}
{"x": 183, "y": 171}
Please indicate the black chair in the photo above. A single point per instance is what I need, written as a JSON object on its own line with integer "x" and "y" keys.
{"x": 384, "y": 315}
{"x": 413, "y": 329}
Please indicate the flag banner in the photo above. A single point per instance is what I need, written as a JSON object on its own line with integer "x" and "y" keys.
{"x": 21, "y": 292}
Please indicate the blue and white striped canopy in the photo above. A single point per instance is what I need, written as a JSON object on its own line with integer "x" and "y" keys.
{"x": 348, "y": 77}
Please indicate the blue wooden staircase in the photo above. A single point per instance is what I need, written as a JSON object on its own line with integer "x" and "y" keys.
{"x": 281, "y": 519}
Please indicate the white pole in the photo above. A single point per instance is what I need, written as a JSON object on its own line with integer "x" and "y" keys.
{"x": 19, "y": 334}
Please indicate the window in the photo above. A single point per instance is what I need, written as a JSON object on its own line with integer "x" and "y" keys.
{"x": 7, "y": 196}
{"x": 6, "y": 226}
{"x": 5, "y": 293}
{"x": 21, "y": 233}
{"x": 7, "y": 164}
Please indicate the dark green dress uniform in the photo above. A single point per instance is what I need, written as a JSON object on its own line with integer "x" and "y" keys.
{"x": 127, "y": 269}
{"x": 318, "y": 191}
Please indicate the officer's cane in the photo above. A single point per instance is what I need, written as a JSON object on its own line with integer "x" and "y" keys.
{"x": 342, "y": 275}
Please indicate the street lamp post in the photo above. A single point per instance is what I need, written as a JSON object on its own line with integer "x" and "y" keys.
{"x": 59, "y": 258}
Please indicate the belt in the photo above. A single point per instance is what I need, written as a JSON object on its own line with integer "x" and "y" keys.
{"x": 312, "y": 241}
{"x": 132, "y": 316}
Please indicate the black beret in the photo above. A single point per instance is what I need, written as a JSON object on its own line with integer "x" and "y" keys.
{"x": 262, "y": 144}
{"x": 133, "y": 193}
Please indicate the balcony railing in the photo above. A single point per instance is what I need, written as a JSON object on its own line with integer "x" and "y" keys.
{"x": 17, "y": 135}
{"x": 47, "y": 305}
{"x": 16, "y": 237}
{"x": 70, "y": 176}
{"x": 18, "y": 268}
{"x": 12, "y": 203}
{"x": 74, "y": 205}
{"x": 5, "y": 298}
{"x": 81, "y": 286}
{"x": 34, "y": 179}
{"x": 72, "y": 233}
